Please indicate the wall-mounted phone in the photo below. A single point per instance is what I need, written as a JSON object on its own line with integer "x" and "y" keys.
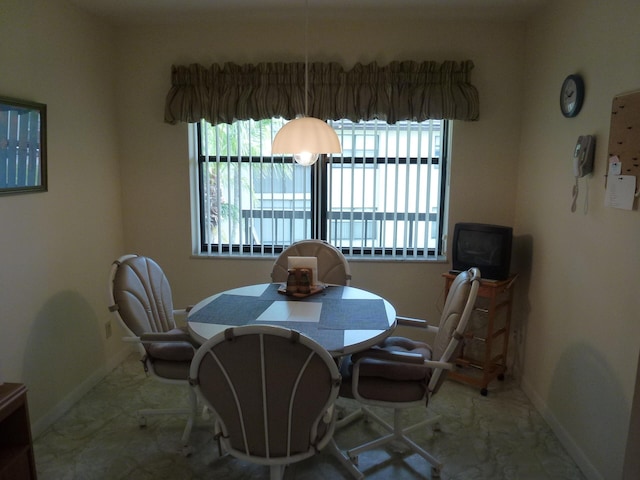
{"x": 583, "y": 155}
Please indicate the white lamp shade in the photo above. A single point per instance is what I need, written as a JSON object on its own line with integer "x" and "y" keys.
{"x": 306, "y": 134}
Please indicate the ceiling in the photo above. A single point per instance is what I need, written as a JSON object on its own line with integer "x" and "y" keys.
{"x": 151, "y": 11}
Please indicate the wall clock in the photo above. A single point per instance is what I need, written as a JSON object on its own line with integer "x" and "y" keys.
{"x": 571, "y": 95}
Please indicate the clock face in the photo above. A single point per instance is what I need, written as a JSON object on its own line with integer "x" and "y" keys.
{"x": 571, "y": 95}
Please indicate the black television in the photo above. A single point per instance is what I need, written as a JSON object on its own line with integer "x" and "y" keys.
{"x": 482, "y": 245}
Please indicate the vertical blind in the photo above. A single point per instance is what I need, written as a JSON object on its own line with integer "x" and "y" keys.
{"x": 386, "y": 189}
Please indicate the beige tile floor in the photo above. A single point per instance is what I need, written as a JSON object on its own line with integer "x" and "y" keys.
{"x": 500, "y": 436}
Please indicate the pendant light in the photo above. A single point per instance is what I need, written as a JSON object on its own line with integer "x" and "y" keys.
{"x": 306, "y": 137}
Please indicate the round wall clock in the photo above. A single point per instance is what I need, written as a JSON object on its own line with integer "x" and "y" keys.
{"x": 571, "y": 95}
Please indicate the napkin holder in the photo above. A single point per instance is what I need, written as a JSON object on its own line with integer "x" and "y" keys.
{"x": 310, "y": 263}
{"x": 298, "y": 265}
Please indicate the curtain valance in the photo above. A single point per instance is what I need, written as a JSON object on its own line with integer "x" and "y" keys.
{"x": 402, "y": 90}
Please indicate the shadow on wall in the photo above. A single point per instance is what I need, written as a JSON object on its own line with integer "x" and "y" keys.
{"x": 64, "y": 348}
{"x": 586, "y": 397}
{"x": 521, "y": 260}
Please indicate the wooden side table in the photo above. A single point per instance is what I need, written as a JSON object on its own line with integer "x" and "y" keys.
{"x": 489, "y": 355}
{"x": 16, "y": 447}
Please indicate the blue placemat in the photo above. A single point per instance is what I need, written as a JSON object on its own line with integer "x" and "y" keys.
{"x": 227, "y": 310}
{"x": 353, "y": 314}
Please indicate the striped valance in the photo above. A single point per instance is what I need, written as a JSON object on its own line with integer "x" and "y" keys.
{"x": 402, "y": 90}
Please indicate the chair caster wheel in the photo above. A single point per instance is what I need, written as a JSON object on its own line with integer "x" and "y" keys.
{"x": 354, "y": 459}
{"x": 484, "y": 392}
{"x": 187, "y": 450}
{"x": 142, "y": 422}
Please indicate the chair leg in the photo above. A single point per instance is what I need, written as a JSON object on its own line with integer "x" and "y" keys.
{"x": 397, "y": 432}
{"x": 437, "y": 466}
{"x": 193, "y": 401}
{"x": 349, "y": 418}
{"x": 191, "y": 411}
{"x": 276, "y": 472}
{"x": 433, "y": 422}
{"x": 353, "y": 453}
{"x": 344, "y": 460}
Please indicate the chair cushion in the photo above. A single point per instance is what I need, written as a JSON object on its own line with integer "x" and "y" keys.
{"x": 171, "y": 358}
{"x": 172, "y": 369}
{"x": 175, "y": 348}
{"x": 386, "y": 380}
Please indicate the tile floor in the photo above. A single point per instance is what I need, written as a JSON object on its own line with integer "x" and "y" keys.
{"x": 500, "y": 436}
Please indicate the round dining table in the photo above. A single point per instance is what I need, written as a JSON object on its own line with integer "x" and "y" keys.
{"x": 343, "y": 319}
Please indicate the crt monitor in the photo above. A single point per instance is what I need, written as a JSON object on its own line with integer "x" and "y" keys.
{"x": 482, "y": 245}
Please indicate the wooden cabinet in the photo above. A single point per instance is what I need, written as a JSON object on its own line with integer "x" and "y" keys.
{"x": 484, "y": 353}
{"x": 16, "y": 448}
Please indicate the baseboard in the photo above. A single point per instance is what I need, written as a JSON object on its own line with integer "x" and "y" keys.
{"x": 72, "y": 398}
{"x": 576, "y": 453}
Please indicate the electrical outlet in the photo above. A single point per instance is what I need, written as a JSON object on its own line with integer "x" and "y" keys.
{"x": 107, "y": 329}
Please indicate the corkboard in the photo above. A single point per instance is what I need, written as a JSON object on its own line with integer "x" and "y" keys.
{"x": 624, "y": 133}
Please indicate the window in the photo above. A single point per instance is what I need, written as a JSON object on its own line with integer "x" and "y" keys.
{"x": 383, "y": 197}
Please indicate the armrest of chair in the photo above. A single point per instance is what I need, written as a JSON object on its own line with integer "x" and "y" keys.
{"x": 183, "y": 311}
{"x": 388, "y": 355}
{"x": 130, "y": 339}
{"x": 388, "y": 364}
{"x": 417, "y": 323}
{"x": 175, "y": 335}
{"x": 437, "y": 364}
{"x": 175, "y": 345}
{"x": 180, "y": 315}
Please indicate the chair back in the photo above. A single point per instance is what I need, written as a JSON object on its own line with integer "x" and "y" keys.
{"x": 453, "y": 322}
{"x": 333, "y": 267}
{"x": 140, "y": 298}
{"x": 141, "y": 295}
{"x": 269, "y": 389}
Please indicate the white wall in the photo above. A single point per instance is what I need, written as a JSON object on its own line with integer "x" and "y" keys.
{"x": 581, "y": 314}
{"x": 56, "y": 247}
{"x": 576, "y": 319}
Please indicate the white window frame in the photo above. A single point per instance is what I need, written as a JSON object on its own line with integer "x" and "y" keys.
{"x": 318, "y": 203}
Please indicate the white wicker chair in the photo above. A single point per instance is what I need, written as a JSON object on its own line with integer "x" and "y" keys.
{"x": 140, "y": 298}
{"x": 401, "y": 373}
{"x": 333, "y": 268}
{"x": 271, "y": 391}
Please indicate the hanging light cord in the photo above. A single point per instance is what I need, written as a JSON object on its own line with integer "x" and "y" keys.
{"x": 306, "y": 60}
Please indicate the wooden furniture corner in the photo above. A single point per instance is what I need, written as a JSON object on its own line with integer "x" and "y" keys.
{"x": 16, "y": 447}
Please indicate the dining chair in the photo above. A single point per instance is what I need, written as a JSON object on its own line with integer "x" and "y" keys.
{"x": 401, "y": 373}
{"x": 333, "y": 267}
{"x": 140, "y": 298}
{"x": 271, "y": 392}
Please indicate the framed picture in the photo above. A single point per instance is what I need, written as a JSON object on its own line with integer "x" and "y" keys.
{"x": 23, "y": 146}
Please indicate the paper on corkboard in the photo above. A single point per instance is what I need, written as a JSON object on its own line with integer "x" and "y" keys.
{"x": 624, "y": 134}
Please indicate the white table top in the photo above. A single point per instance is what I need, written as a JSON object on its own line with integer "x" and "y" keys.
{"x": 341, "y": 319}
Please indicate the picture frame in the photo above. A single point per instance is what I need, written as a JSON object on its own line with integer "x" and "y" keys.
{"x": 23, "y": 146}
